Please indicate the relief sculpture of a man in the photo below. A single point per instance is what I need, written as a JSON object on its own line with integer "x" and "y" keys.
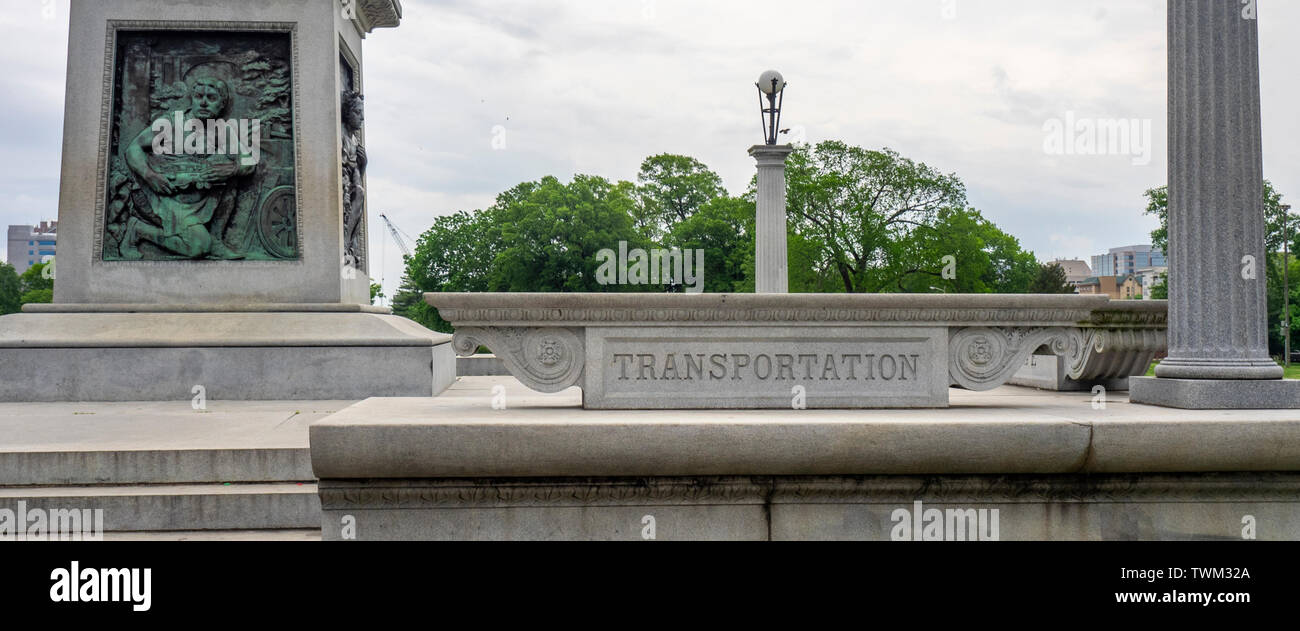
{"x": 193, "y": 194}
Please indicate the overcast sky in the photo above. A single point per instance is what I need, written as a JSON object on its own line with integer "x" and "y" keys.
{"x": 595, "y": 86}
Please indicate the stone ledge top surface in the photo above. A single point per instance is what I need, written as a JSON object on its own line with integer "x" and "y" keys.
{"x": 581, "y": 309}
{"x": 1008, "y": 431}
{"x": 211, "y": 330}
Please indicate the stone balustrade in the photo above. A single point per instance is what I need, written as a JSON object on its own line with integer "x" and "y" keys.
{"x": 684, "y": 351}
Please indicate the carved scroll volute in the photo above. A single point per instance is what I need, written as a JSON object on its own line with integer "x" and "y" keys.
{"x": 1112, "y": 353}
{"x": 982, "y": 358}
{"x": 546, "y": 359}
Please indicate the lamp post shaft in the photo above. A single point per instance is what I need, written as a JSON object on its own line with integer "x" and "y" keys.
{"x": 771, "y": 259}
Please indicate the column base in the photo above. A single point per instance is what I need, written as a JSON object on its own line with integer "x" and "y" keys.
{"x": 1215, "y": 394}
{"x": 1263, "y": 368}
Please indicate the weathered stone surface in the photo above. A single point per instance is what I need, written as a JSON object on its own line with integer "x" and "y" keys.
{"x": 455, "y": 468}
{"x": 694, "y": 351}
{"x": 1216, "y": 394}
{"x": 236, "y": 356}
{"x": 749, "y": 367}
{"x": 402, "y": 438}
{"x": 1054, "y": 466}
{"x": 467, "y": 433}
{"x": 842, "y": 508}
{"x": 214, "y": 506}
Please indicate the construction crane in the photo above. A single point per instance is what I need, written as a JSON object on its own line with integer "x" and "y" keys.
{"x": 397, "y": 235}
{"x": 401, "y": 243}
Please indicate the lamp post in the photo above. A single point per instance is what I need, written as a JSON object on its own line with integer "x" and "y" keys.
{"x": 771, "y": 85}
{"x": 771, "y": 261}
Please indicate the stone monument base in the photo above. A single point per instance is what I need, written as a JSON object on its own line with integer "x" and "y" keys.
{"x": 1201, "y": 507}
{"x": 488, "y": 460}
{"x": 268, "y": 352}
{"x": 1216, "y": 394}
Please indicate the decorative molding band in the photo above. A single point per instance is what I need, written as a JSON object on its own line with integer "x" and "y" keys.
{"x": 490, "y": 493}
{"x": 626, "y": 316}
{"x": 1035, "y": 489}
{"x": 758, "y": 490}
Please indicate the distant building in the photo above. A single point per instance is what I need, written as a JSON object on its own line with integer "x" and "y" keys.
{"x": 29, "y": 245}
{"x": 1127, "y": 260}
{"x": 1117, "y": 287}
{"x": 1095, "y": 285}
{"x": 1130, "y": 287}
{"x": 1150, "y": 277}
{"x": 1076, "y": 271}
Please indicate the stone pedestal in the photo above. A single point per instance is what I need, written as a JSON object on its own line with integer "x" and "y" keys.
{"x": 771, "y": 258}
{"x": 212, "y": 213}
{"x": 1217, "y": 300}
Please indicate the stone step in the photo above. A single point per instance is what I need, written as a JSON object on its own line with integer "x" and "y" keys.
{"x": 168, "y": 466}
{"x": 297, "y": 534}
{"x": 180, "y": 507}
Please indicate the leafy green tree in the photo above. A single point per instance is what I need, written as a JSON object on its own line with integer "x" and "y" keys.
{"x": 960, "y": 252}
{"x": 551, "y": 237}
{"x": 539, "y": 236}
{"x": 1051, "y": 279}
{"x": 35, "y": 278}
{"x": 1276, "y": 304}
{"x": 1158, "y": 205}
{"x": 38, "y": 296}
{"x": 672, "y": 188}
{"x": 36, "y": 287}
{"x": 454, "y": 255}
{"x": 861, "y": 206}
{"x": 1160, "y": 290}
{"x": 724, "y": 228}
{"x": 860, "y": 221}
{"x": 10, "y": 290}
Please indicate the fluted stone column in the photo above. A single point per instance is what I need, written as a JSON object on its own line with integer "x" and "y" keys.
{"x": 1218, "y": 345}
{"x": 771, "y": 258}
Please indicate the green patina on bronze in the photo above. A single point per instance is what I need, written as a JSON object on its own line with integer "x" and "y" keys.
{"x": 198, "y": 200}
